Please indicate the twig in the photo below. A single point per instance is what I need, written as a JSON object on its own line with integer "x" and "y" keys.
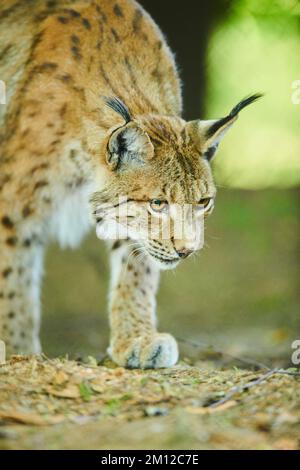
{"x": 287, "y": 372}
{"x": 244, "y": 360}
{"x": 242, "y": 388}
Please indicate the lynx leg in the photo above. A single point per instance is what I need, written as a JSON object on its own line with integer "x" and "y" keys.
{"x": 20, "y": 273}
{"x": 135, "y": 342}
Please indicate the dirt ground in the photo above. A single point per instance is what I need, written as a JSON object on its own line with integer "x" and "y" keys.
{"x": 63, "y": 404}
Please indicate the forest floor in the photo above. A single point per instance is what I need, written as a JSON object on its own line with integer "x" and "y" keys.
{"x": 62, "y": 404}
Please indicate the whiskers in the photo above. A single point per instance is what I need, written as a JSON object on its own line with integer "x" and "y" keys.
{"x": 136, "y": 252}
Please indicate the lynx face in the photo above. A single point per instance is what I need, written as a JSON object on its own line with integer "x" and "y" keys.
{"x": 163, "y": 228}
{"x": 160, "y": 185}
{"x": 164, "y": 219}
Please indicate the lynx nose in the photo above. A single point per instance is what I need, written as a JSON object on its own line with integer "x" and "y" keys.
{"x": 184, "y": 252}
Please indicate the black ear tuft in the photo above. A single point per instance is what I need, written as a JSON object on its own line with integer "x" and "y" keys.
{"x": 233, "y": 113}
{"x": 245, "y": 102}
{"x": 119, "y": 107}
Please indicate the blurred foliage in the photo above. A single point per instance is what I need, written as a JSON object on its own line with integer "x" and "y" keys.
{"x": 257, "y": 49}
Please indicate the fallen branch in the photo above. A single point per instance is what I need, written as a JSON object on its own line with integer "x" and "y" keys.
{"x": 242, "y": 388}
{"x": 288, "y": 372}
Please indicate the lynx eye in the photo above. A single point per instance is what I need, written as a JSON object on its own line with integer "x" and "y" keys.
{"x": 157, "y": 205}
{"x": 205, "y": 203}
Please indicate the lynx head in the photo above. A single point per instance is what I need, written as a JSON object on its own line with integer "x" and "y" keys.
{"x": 160, "y": 184}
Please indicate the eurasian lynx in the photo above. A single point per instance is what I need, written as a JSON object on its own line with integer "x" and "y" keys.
{"x": 93, "y": 112}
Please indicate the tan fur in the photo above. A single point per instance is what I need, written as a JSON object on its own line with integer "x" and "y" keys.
{"x": 60, "y": 61}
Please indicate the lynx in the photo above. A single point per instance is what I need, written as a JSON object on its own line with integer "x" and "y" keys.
{"x": 93, "y": 112}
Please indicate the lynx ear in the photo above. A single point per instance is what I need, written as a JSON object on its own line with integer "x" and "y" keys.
{"x": 129, "y": 147}
{"x": 208, "y": 134}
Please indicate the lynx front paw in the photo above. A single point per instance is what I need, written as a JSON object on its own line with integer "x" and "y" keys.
{"x": 146, "y": 352}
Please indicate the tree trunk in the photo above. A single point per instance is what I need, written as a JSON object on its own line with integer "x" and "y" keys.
{"x": 187, "y": 26}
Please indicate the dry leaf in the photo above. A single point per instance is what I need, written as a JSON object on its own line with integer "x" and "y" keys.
{"x": 71, "y": 391}
{"x": 97, "y": 388}
{"x": 23, "y": 418}
{"x": 60, "y": 378}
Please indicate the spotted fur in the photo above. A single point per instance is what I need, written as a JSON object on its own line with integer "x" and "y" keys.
{"x": 93, "y": 112}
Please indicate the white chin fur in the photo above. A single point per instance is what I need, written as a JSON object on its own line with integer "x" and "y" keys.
{"x": 163, "y": 266}
{"x": 110, "y": 230}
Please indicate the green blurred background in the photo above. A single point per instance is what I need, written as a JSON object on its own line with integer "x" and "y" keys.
{"x": 241, "y": 293}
